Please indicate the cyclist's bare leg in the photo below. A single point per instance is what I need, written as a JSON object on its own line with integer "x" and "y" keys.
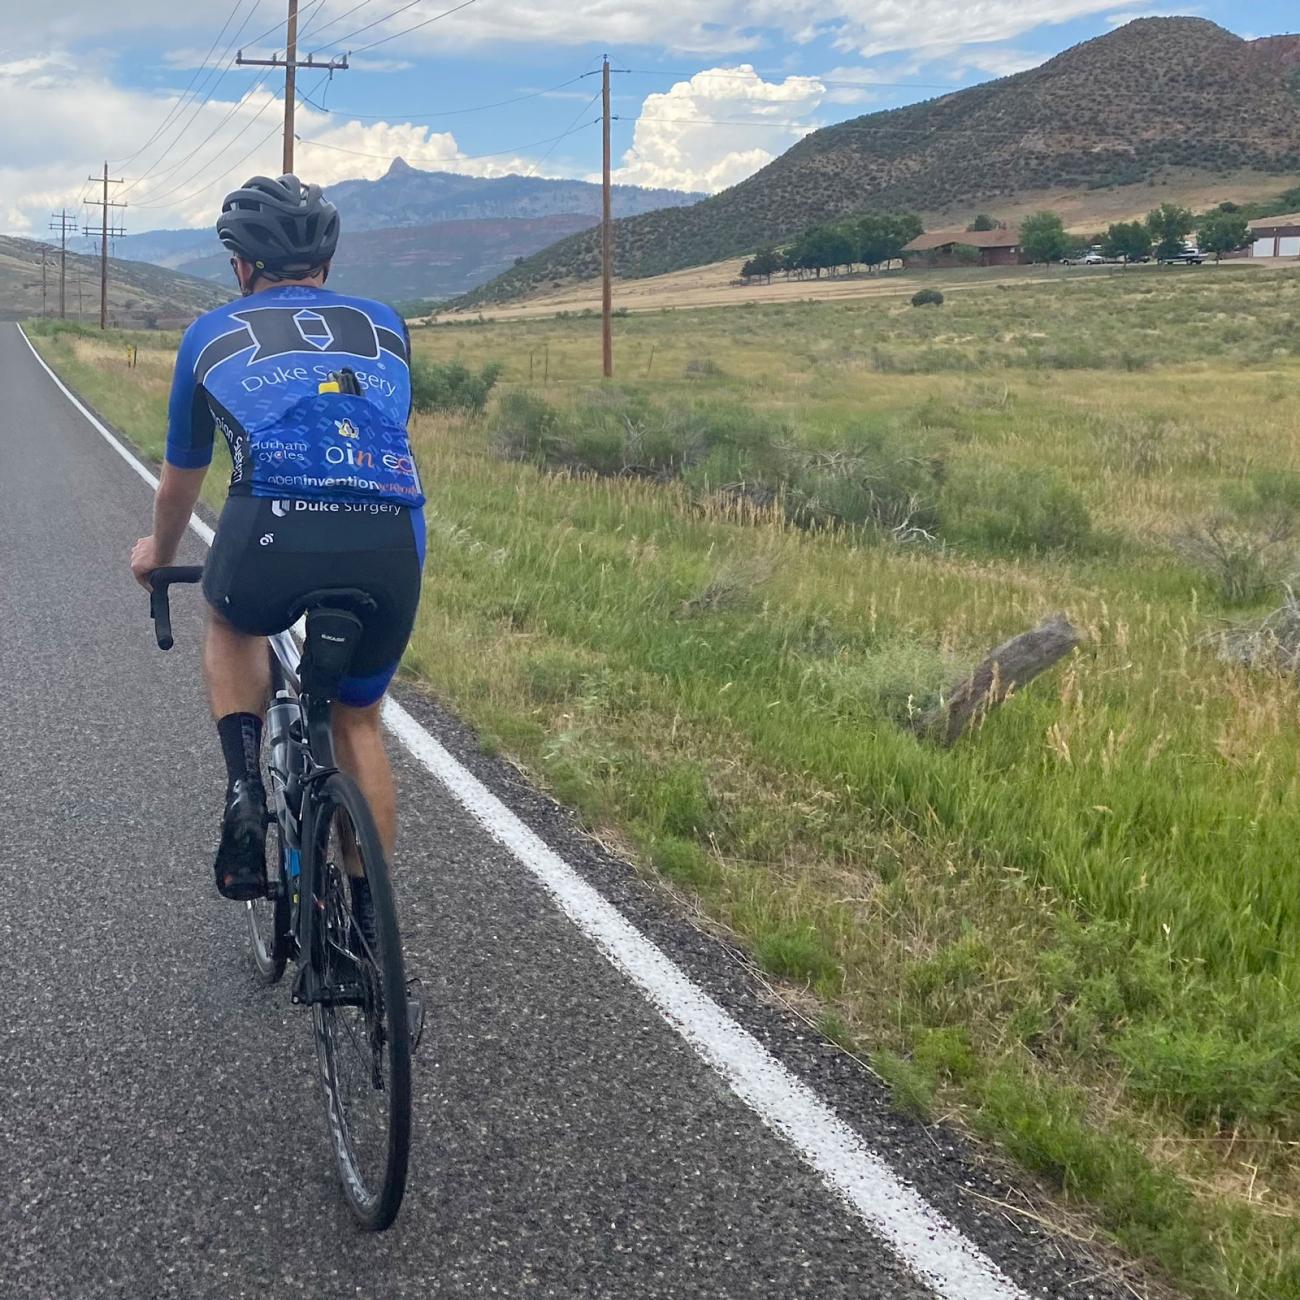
{"x": 236, "y": 669}
{"x": 359, "y": 746}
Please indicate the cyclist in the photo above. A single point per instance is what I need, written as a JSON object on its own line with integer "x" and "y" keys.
{"x": 312, "y": 392}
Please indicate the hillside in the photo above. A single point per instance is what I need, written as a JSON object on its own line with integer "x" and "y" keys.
{"x": 406, "y": 198}
{"x": 1152, "y": 98}
{"x": 435, "y": 261}
{"x": 138, "y": 294}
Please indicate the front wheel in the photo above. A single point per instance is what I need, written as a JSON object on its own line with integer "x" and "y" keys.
{"x": 363, "y": 1048}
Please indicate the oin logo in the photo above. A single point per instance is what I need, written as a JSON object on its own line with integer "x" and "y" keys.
{"x": 347, "y": 429}
{"x": 314, "y": 329}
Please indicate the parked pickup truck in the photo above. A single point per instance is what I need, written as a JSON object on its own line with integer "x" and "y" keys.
{"x": 1188, "y": 256}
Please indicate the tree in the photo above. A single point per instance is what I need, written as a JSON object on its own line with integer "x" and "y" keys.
{"x": 839, "y": 248}
{"x": 821, "y": 247}
{"x": 1223, "y": 232}
{"x": 983, "y": 222}
{"x": 764, "y": 263}
{"x": 966, "y": 255}
{"x": 1127, "y": 240}
{"x": 1043, "y": 237}
{"x": 1169, "y": 226}
{"x": 880, "y": 238}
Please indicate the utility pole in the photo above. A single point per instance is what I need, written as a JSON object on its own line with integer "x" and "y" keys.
{"x": 291, "y": 63}
{"x": 44, "y": 285}
{"x": 63, "y": 221}
{"x": 606, "y": 239}
{"x": 104, "y": 232}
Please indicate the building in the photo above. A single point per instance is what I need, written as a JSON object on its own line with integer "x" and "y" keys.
{"x": 1275, "y": 236}
{"x": 939, "y": 248}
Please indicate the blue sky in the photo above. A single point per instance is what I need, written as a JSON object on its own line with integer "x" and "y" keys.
{"x": 716, "y": 87}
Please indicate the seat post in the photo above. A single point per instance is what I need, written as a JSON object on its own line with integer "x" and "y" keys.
{"x": 320, "y": 732}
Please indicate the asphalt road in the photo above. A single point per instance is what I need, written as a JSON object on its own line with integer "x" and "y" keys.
{"x": 161, "y": 1132}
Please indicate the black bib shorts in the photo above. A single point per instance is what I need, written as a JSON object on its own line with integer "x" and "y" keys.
{"x": 270, "y": 553}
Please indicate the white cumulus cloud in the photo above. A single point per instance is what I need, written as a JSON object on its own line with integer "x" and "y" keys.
{"x": 71, "y": 121}
{"x": 717, "y": 128}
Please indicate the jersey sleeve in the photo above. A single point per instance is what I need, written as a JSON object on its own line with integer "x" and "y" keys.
{"x": 190, "y": 426}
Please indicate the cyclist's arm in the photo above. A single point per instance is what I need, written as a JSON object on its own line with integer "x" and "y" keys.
{"x": 190, "y": 433}
{"x": 178, "y": 492}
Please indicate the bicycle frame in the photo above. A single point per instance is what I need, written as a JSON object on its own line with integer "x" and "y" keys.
{"x": 311, "y": 746}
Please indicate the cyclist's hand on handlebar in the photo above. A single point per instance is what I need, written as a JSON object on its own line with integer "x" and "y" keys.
{"x": 145, "y": 558}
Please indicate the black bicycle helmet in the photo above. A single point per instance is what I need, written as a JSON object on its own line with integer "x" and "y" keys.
{"x": 280, "y": 226}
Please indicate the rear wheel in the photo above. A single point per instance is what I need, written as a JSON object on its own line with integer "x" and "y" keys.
{"x": 363, "y": 1049}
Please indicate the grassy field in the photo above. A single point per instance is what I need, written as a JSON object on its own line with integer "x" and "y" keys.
{"x": 686, "y": 605}
{"x": 718, "y": 285}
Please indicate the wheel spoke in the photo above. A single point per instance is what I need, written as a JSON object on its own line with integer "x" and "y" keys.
{"x": 364, "y": 1067}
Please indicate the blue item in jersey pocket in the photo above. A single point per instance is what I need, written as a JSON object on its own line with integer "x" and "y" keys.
{"x": 332, "y": 445}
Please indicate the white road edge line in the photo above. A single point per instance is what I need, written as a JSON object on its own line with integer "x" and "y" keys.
{"x": 936, "y": 1251}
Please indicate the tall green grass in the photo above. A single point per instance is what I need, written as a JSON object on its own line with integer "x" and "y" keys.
{"x": 1076, "y": 931}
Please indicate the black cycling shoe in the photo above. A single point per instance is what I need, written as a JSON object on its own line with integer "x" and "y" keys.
{"x": 240, "y": 867}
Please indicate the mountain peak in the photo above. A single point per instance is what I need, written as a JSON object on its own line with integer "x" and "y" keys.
{"x": 399, "y": 167}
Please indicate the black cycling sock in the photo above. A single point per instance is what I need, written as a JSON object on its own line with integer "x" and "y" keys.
{"x": 241, "y": 744}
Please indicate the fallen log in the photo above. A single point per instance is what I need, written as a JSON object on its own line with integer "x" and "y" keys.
{"x": 1006, "y": 669}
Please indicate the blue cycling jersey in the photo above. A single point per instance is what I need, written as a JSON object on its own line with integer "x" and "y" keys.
{"x": 254, "y": 369}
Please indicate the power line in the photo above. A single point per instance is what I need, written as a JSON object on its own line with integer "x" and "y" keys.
{"x": 386, "y": 18}
{"x": 383, "y": 40}
{"x": 212, "y": 180}
{"x": 572, "y": 128}
{"x": 201, "y": 104}
{"x": 176, "y": 166}
{"x": 284, "y": 22}
{"x": 155, "y": 200}
{"x": 313, "y": 30}
{"x": 175, "y": 108}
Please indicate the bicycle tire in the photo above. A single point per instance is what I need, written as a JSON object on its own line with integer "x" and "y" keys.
{"x": 375, "y": 1197}
{"x": 268, "y": 918}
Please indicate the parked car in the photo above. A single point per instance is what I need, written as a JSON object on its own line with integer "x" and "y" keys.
{"x": 1188, "y": 256}
{"x": 1090, "y": 258}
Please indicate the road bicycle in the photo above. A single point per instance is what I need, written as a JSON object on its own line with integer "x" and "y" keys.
{"x": 349, "y": 970}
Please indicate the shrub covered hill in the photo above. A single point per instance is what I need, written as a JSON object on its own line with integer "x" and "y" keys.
{"x": 1156, "y": 94}
{"x": 140, "y": 296}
